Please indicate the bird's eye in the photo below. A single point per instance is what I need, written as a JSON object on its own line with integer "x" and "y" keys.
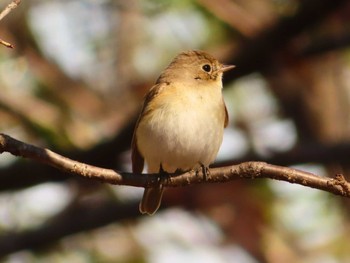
{"x": 206, "y": 68}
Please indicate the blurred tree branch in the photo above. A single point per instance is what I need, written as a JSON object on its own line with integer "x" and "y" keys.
{"x": 75, "y": 218}
{"x": 326, "y": 44}
{"x": 234, "y": 15}
{"x": 9, "y": 8}
{"x": 256, "y": 53}
{"x": 308, "y": 152}
{"x": 4, "y": 13}
{"x": 85, "y": 214}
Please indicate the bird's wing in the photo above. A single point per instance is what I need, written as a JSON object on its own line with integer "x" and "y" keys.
{"x": 226, "y": 116}
{"x": 136, "y": 157}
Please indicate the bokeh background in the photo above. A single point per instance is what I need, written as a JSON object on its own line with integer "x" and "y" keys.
{"x": 75, "y": 82}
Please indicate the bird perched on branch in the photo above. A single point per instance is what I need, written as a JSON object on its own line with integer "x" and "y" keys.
{"x": 182, "y": 121}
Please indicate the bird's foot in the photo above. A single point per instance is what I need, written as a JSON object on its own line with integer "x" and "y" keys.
{"x": 162, "y": 174}
{"x": 205, "y": 171}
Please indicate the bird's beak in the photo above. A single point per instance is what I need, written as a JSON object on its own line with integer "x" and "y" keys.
{"x": 225, "y": 68}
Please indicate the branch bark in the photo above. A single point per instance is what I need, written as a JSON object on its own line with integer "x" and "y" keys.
{"x": 248, "y": 170}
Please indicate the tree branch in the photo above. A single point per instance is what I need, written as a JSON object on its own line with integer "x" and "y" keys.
{"x": 249, "y": 170}
{"x": 4, "y": 13}
{"x": 9, "y": 8}
{"x": 258, "y": 52}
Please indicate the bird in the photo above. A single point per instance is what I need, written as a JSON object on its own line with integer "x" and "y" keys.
{"x": 181, "y": 124}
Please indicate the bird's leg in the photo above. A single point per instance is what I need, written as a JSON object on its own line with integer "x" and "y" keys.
{"x": 163, "y": 175}
{"x": 205, "y": 171}
{"x": 161, "y": 170}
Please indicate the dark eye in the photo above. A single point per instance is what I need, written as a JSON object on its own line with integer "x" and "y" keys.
{"x": 206, "y": 67}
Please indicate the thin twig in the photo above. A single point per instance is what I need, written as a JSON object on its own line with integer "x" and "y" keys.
{"x": 4, "y": 13}
{"x": 6, "y": 44}
{"x": 249, "y": 170}
{"x": 9, "y": 8}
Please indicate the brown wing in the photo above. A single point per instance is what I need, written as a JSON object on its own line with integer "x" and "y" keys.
{"x": 226, "y": 116}
{"x": 136, "y": 157}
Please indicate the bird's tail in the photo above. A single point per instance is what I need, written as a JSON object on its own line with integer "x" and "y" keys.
{"x": 151, "y": 200}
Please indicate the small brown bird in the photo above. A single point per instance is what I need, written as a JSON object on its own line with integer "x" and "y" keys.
{"x": 182, "y": 121}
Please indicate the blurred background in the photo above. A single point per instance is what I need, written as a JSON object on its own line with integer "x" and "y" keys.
{"x": 75, "y": 82}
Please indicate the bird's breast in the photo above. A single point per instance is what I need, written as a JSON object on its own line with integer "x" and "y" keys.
{"x": 182, "y": 127}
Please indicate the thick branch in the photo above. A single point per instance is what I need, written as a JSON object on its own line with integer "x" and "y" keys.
{"x": 250, "y": 170}
{"x": 104, "y": 154}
